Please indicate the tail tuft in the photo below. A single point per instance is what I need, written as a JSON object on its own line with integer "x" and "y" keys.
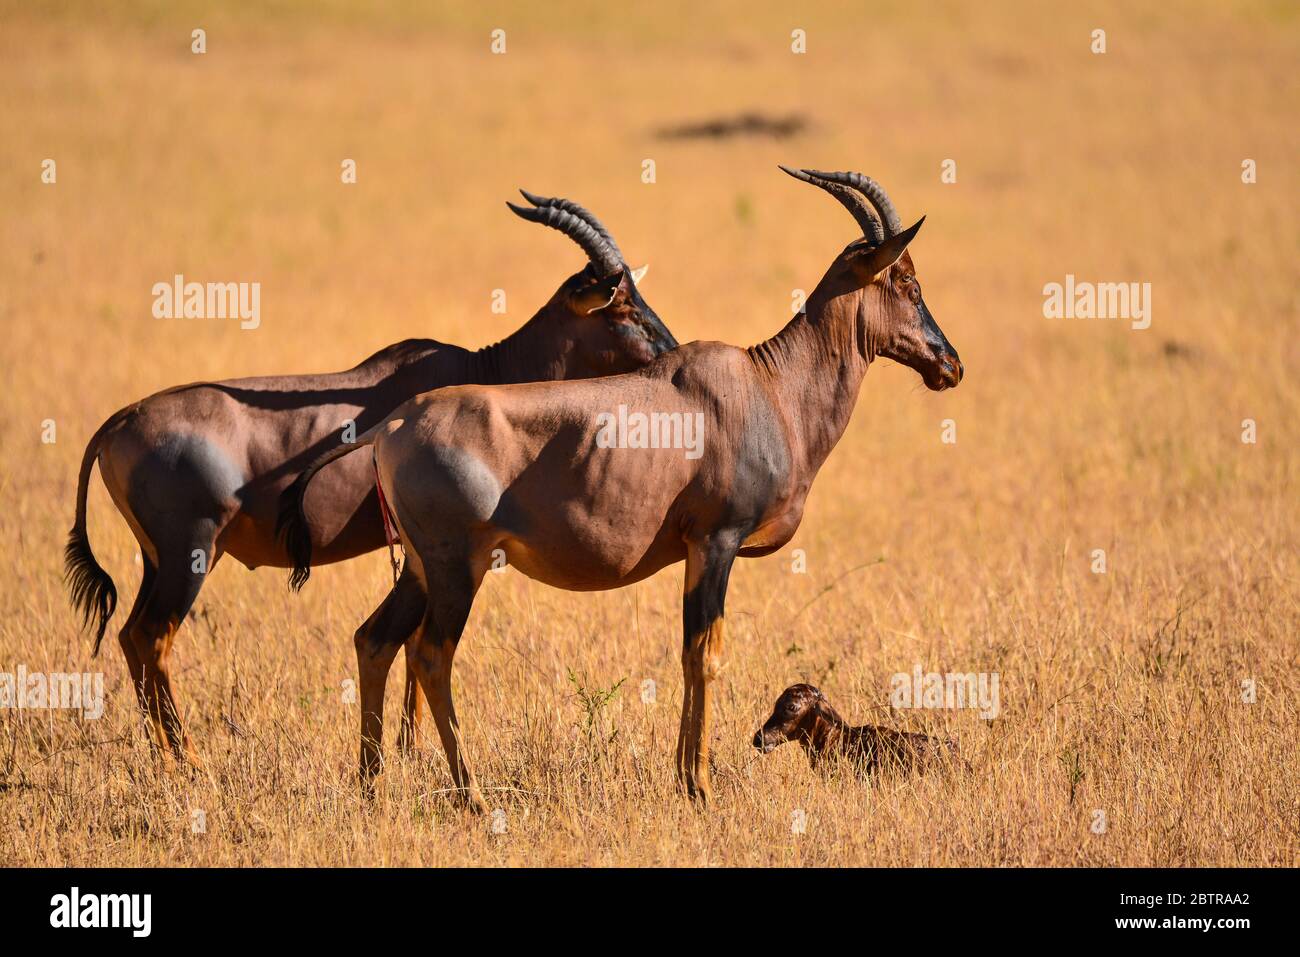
{"x": 292, "y": 529}
{"x": 291, "y": 526}
{"x": 91, "y": 589}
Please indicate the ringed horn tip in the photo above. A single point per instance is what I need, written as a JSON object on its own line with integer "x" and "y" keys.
{"x": 569, "y": 206}
{"x": 876, "y": 215}
{"x": 575, "y": 222}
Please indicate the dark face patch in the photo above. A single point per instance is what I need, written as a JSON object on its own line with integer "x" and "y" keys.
{"x": 913, "y": 338}
{"x": 661, "y": 340}
{"x": 618, "y": 331}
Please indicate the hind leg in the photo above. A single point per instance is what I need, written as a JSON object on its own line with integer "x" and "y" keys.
{"x": 412, "y": 706}
{"x": 177, "y": 488}
{"x": 133, "y": 664}
{"x": 433, "y": 647}
{"x": 177, "y": 582}
{"x": 377, "y": 642}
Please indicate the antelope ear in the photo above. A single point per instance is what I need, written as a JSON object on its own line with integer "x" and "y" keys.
{"x": 639, "y": 274}
{"x": 598, "y": 295}
{"x": 873, "y": 260}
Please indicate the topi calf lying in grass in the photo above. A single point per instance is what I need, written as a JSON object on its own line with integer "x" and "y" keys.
{"x": 803, "y": 714}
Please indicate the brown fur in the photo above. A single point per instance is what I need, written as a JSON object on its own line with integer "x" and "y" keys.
{"x": 202, "y": 467}
{"x": 473, "y": 469}
{"x": 803, "y": 714}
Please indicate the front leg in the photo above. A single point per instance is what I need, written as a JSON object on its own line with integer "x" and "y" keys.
{"x": 708, "y": 566}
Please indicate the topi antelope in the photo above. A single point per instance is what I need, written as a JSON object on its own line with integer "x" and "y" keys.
{"x": 197, "y": 471}
{"x": 472, "y": 469}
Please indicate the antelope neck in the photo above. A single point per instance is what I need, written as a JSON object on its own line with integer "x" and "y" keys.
{"x": 814, "y": 367}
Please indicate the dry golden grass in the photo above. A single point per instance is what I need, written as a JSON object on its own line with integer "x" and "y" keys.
{"x": 1119, "y": 692}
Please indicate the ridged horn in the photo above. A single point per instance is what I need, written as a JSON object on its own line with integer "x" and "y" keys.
{"x": 602, "y": 255}
{"x": 862, "y": 212}
{"x": 569, "y": 206}
{"x": 870, "y": 189}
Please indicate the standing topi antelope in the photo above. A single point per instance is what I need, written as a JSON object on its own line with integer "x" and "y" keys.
{"x": 530, "y": 469}
{"x": 201, "y": 467}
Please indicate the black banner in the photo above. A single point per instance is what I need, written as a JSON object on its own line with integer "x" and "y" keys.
{"x": 531, "y": 906}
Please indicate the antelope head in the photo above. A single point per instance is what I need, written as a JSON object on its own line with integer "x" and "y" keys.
{"x": 874, "y": 281}
{"x": 795, "y": 717}
{"x": 598, "y": 313}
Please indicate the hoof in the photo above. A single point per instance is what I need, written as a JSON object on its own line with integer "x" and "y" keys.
{"x": 469, "y": 799}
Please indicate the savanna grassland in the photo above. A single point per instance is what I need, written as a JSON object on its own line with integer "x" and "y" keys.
{"x": 1121, "y": 692}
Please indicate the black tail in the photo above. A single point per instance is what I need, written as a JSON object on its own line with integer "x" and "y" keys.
{"x": 292, "y": 529}
{"x": 90, "y": 588}
{"x": 291, "y": 525}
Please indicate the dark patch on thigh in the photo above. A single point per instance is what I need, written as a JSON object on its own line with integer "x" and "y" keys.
{"x": 183, "y": 476}
{"x": 451, "y": 484}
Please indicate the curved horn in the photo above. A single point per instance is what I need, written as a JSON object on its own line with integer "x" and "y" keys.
{"x": 569, "y": 206}
{"x": 870, "y": 189}
{"x": 577, "y": 229}
{"x": 854, "y": 203}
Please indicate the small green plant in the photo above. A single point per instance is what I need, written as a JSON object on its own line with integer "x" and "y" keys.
{"x": 593, "y": 702}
